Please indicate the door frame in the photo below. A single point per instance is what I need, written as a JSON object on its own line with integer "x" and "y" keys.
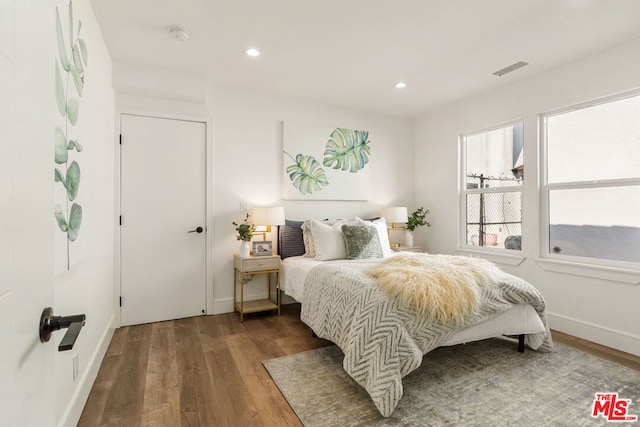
{"x": 209, "y": 186}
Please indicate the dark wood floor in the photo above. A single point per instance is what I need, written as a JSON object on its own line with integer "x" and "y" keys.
{"x": 207, "y": 371}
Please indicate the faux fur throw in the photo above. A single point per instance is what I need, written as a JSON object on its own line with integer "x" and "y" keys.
{"x": 442, "y": 288}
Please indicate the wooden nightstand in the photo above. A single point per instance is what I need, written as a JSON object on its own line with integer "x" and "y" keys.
{"x": 407, "y": 249}
{"x": 250, "y": 266}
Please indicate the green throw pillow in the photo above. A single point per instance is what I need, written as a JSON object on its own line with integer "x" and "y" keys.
{"x": 361, "y": 242}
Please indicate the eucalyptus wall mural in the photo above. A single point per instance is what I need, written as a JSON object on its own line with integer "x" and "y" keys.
{"x": 71, "y": 62}
{"x": 324, "y": 163}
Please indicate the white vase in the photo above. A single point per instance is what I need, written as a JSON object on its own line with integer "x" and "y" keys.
{"x": 245, "y": 249}
{"x": 408, "y": 238}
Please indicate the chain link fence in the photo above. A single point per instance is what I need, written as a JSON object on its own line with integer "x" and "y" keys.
{"x": 494, "y": 219}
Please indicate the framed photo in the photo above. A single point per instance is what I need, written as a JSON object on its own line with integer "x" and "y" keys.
{"x": 262, "y": 248}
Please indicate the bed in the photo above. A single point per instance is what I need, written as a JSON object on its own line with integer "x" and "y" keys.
{"x": 382, "y": 340}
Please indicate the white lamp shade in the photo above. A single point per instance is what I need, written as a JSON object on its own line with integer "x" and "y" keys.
{"x": 268, "y": 216}
{"x": 395, "y": 214}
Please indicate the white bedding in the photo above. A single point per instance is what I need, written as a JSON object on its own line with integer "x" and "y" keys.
{"x": 522, "y": 319}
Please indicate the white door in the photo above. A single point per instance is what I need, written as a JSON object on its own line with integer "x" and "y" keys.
{"x": 26, "y": 213}
{"x": 163, "y": 208}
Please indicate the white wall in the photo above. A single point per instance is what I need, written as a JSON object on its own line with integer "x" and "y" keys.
{"x": 603, "y": 311}
{"x": 7, "y": 280}
{"x": 88, "y": 287}
{"x": 247, "y": 138}
{"x": 248, "y": 166}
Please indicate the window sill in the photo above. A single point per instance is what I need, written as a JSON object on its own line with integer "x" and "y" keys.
{"x": 494, "y": 256}
{"x": 590, "y": 270}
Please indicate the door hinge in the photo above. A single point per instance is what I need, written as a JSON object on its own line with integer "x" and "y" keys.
{"x": 120, "y": 139}
{"x": 120, "y": 220}
{"x": 120, "y": 301}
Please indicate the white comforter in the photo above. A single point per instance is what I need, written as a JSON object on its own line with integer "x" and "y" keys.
{"x": 384, "y": 342}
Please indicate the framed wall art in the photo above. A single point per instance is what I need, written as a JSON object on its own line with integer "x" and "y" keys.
{"x": 325, "y": 163}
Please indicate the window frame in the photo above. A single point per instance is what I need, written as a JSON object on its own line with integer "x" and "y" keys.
{"x": 499, "y": 255}
{"x": 623, "y": 271}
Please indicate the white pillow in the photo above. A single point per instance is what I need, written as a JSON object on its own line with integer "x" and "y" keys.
{"x": 380, "y": 225}
{"x": 328, "y": 241}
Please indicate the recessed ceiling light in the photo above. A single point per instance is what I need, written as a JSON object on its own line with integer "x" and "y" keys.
{"x": 178, "y": 33}
{"x": 252, "y": 52}
{"x": 400, "y": 85}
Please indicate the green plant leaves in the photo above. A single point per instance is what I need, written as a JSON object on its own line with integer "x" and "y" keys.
{"x": 73, "y": 109}
{"x": 77, "y": 80}
{"x": 73, "y": 180}
{"x": 83, "y": 48}
{"x": 77, "y": 59}
{"x": 61, "y": 154}
{"x": 60, "y": 93}
{"x": 72, "y": 228}
{"x": 62, "y": 223}
{"x": 69, "y": 107}
{"x": 57, "y": 177}
{"x": 75, "y": 220}
{"x": 62, "y": 50}
{"x": 71, "y": 24}
{"x": 347, "y": 150}
{"x": 306, "y": 174}
{"x": 74, "y": 144}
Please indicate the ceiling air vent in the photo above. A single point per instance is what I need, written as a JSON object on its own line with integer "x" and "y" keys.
{"x": 510, "y": 68}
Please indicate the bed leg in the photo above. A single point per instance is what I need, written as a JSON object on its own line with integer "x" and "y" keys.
{"x": 521, "y": 343}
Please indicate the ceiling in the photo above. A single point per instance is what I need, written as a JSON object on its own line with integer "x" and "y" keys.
{"x": 350, "y": 53}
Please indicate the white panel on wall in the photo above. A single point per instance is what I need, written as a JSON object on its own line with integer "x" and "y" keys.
{"x": 7, "y": 337}
{"x": 7, "y": 360}
{"x": 6, "y": 174}
{"x": 6, "y": 28}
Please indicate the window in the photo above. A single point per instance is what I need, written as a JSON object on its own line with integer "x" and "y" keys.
{"x": 493, "y": 169}
{"x": 591, "y": 182}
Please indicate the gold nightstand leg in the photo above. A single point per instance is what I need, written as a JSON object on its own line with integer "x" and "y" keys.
{"x": 278, "y": 289}
{"x": 241, "y": 297}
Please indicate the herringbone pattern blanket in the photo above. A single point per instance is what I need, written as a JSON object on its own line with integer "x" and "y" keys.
{"x": 382, "y": 341}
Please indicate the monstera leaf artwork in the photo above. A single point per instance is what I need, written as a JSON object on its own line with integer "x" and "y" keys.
{"x": 347, "y": 150}
{"x": 330, "y": 163}
{"x": 306, "y": 174}
{"x": 72, "y": 62}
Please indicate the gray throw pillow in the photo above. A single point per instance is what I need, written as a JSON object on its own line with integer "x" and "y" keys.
{"x": 290, "y": 239}
{"x": 361, "y": 241}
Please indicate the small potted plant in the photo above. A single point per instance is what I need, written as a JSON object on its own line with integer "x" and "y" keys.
{"x": 418, "y": 218}
{"x": 245, "y": 233}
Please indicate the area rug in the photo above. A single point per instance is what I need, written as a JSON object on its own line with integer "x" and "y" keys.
{"x": 484, "y": 383}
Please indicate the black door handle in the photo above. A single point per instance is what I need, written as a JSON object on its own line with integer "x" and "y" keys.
{"x": 197, "y": 230}
{"x": 50, "y": 323}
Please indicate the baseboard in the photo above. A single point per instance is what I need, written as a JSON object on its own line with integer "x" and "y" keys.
{"x": 222, "y": 306}
{"x": 74, "y": 410}
{"x": 595, "y": 333}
